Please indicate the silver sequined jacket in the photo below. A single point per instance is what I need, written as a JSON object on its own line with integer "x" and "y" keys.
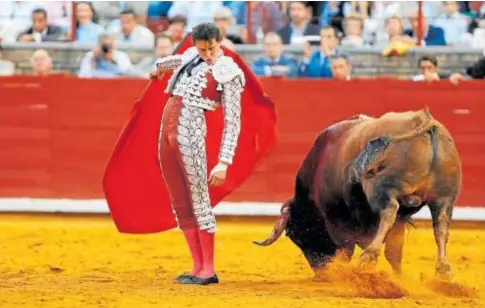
{"x": 208, "y": 88}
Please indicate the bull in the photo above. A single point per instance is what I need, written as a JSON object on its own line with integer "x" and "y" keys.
{"x": 363, "y": 179}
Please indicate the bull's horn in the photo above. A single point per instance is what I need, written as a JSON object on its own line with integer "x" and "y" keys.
{"x": 278, "y": 228}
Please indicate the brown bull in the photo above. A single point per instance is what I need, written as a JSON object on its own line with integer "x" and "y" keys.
{"x": 362, "y": 179}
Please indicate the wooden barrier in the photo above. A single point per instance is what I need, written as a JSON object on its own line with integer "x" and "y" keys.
{"x": 56, "y": 133}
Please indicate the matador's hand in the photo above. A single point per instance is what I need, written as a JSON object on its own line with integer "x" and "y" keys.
{"x": 156, "y": 74}
{"x": 218, "y": 174}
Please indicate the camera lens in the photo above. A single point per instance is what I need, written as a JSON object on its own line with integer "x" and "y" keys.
{"x": 105, "y": 48}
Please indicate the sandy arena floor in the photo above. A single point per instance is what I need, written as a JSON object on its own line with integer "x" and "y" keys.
{"x": 48, "y": 261}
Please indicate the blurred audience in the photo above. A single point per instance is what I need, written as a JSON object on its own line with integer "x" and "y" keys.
{"x": 41, "y": 30}
{"x": 394, "y": 33}
{"x": 224, "y": 19}
{"x": 196, "y": 12}
{"x": 317, "y": 64}
{"x": 111, "y": 11}
{"x": 475, "y": 71}
{"x": 105, "y": 61}
{"x": 265, "y": 17}
{"x": 60, "y": 13}
{"x": 158, "y": 9}
{"x": 176, "y": 28}
{"x": 432, "y": 36}
{"x": 131, "y": 32}
{"x": 353, "y": 31}
{"x": 164, "y": 47}
{"x": 87, "y": 29}
{"x": 340, "y": 67}
{"x": 453, "y": 23}
{"x": 391, "y": 26}
{"x": 41, "y": 63}
{"x": 15, "y": 17}
{"x": 299, "y": 25}
{"x": 275, "y": 62}
{"x": 428, "y": 65}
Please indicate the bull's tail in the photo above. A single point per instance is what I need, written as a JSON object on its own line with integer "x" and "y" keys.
{"x": 362, "y": 166}
{"x": 429, "y": 126}
{"x": 426, "y": 126}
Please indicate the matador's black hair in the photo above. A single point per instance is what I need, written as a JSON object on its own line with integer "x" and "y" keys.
{"x": 206, "y": 32}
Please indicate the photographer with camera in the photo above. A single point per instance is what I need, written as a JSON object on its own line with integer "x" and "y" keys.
{"x": 105, "y": 61}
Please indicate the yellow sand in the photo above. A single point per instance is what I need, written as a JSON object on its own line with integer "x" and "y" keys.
{"x": 83, "y": 262}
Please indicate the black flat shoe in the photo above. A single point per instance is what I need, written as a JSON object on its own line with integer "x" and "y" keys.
{"x": 205, "y": 281}
{"x": 184, "y": 277}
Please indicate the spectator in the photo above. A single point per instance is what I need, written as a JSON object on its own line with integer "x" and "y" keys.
{"x": 433, "y": 36}
{"x": 317, "y": 65}
{"x": 224, "y": 20}
{"x": 196, "y": 12}
{"x": 176, "y": 29}
{"x": 353, "y": 30}
{"x": 394, "y": 33}
{"x": 341, "y": 68}
{"x": 7, "y": 68}
{"x": 41, "y": 30}
{"x": 105, "y": 61}
{"x": 476, "y": 71}
{"x": 299, "y": 25}
{"x": 428, "y": 65}
{"x": 275, "y": 62}
{"x": 453, "y": 23}
{"x": 87, "y": 30}
{"x": 131, "y": 32}
{"x": 163, "y": 47}
{"x": 41, "y": 63}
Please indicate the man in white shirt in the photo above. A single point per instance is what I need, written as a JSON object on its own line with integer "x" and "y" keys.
{"x": 105, "y": 61}
{"x": 131, "y": 32}
{"x": 428, "y": 65}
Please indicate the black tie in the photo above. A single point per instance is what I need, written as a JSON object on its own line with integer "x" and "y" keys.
{"x": 194, "y": 63}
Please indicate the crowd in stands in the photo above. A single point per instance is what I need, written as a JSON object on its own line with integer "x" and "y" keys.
{"x": 321, "y": 28}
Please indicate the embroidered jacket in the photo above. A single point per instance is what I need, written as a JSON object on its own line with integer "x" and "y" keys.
{"x": 210, "y": 86}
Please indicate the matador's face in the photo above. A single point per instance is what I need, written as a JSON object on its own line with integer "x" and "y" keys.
{"x": 208, "y": 50}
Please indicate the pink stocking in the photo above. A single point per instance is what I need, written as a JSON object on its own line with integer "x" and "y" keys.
{"x": 192, "y": 237}
{"x": 207, "y": 243}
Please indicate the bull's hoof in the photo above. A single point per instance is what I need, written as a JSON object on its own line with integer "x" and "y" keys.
{"x": 443, "y": 271}
{"x": 369, "y": 257}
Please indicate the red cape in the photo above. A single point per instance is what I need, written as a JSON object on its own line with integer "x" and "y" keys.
{"x": 133, "y": 184}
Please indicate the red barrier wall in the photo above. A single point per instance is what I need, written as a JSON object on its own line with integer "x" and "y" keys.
{"x": 56, "y": 133}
